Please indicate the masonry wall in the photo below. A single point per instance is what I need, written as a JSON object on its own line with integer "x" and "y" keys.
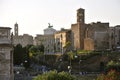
{"x": 88, "y": 44}
{"x": 76, "y": 35}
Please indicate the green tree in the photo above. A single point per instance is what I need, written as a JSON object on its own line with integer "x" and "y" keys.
{"x": 67, "y": 46}
{"x": 41, "y": 48}
{"x": 36, "y": 50}
{"x": 54, "y": 75}
{"x": 71, "y": 55}
{"x": 18, "y": 55}
{"x": 33, "y": 50}
{"x": 27, "y": 61}
{"x": 21, "y": 55}
{"x": 113, "y": 65}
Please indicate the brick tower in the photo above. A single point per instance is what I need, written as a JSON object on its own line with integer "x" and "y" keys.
{"x": 16, "y": 29}
{"x": 81, "y": 16}
{"x": 78, "y": 30}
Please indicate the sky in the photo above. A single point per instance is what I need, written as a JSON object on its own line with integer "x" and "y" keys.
{"x": 33, "y": 16}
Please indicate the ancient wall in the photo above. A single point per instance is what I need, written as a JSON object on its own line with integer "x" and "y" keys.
{"x": 76, "y": 35}
{"x": 6, "y": 56}
{"x": 88, "y": 44}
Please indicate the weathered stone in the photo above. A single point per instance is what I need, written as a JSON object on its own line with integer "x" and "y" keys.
{"x": 6, "y": 62}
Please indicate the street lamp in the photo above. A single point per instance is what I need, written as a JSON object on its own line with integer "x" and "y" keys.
{"x": 69, "y": 68}
{"x": 75, "y": 56}
{"x": 17, "y": 72}
{"x": 60, "y": 65}
{"x": 79, "y": 65}
{"x": 26, "y": 61}
{"x": 25, "y": 64}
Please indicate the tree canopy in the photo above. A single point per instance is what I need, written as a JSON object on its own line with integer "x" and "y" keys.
{"x": 54, "y": 75}
{"x": 36, "y": 50}
{"x": 21, "y": 54}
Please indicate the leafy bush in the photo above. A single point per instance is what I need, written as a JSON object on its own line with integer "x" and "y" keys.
{"x": 54, "y": 75}
{"x": 101, "y": 77}
{"x": 111, "y": 75}
{"x": 113, "y": 65}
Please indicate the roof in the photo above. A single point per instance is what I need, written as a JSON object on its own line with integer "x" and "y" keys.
{"x": 63, "y": 30}
{"x": 5, "y": 27}
{"x": 49, "y": 28}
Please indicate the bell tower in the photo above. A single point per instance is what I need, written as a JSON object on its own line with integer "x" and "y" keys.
{"x": 80, "y": 15}
{"x": 16, "y": 29}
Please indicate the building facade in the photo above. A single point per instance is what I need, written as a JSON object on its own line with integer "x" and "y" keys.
{"x": 49, "y": 31}
{"x": 47, "y": 40}
{"x": 78, "y": 30}
{"x": 98, "y": 34}
{"x": 6, "y": 55}
{"x": 114, "y": 33}
{"x": 89, "y": 36}
{"x": 24, "y": 39}
{"x": 61, "y": 38}
{"x": 92, "y": 36}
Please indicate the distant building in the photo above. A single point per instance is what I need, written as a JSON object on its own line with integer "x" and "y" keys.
{"x": 97, "y": 36}
{"x": 117, "y": 35}
{"x": 112, "y": 38}
{"x": 114, "y": 33}
{"x": 93, "y": 36}
{"x": 24, "y": 39}
{"x": 49, "y": 44}
{"x": 47, "y": 40}
{"x": 49, "y": 30}
{"x": 61, "y": 38}
{"x": 78, "y": 30}
{"x": 38, "y": 40}
{"x": 6, "y": 55}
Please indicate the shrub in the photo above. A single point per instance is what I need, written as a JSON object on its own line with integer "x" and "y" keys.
{"x": 54, "y": 75}
{"x": 113, "y": 65}
{"x": 101, "y": 77}
{"x": 111, "y": 75}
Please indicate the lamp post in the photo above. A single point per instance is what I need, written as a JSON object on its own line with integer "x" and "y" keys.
{"x": 75, "y": 56}
{"x": 79, "y": 65}
{"x": 70, "y": 67}
{"x": 60, "y": 65}
{"x": 25, "y": 64}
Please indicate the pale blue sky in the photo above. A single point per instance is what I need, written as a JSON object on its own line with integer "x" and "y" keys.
{"x": 34, "y": 15}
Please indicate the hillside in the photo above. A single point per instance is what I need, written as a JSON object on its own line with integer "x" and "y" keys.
{"x": 90, "y": 62}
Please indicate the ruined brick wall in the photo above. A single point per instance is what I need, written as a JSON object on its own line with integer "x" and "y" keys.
{"x": 76, "y": 35}
{"x": 88, "y": 44}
